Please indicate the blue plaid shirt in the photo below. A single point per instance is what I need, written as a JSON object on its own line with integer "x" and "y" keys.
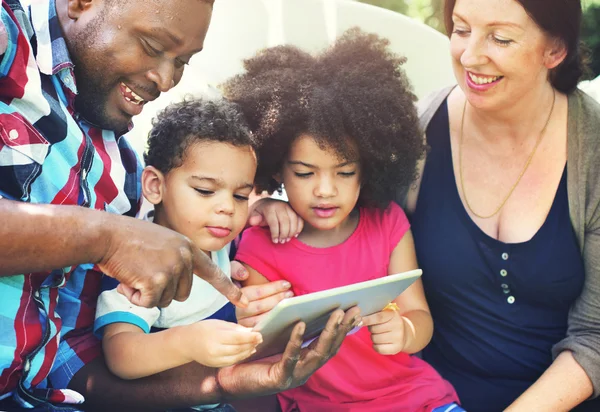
{"x": 48, "y": 154}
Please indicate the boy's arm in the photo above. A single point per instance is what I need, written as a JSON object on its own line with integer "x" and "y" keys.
{"x": 409, "y": 329}
{"x": 131, "y": 354}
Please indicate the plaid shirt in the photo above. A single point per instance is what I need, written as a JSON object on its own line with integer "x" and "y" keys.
{"x": 48, "y": 154}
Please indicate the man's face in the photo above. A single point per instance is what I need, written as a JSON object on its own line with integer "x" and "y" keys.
{"x": 127, "y": 52}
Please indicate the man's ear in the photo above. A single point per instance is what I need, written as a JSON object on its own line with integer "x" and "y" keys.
{"x": 555, "y": 53}
{"x": 153, "y": 184}
{"x": 76, "y": 7}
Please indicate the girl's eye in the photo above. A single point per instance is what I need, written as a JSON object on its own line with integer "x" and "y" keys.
{"x": 303, "y": 175}
{"x": 204, "y": 192}
{"x": 347, "y": 174}
{"x": 502, "y": 42}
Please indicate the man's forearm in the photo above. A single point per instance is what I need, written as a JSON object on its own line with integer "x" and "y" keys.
{"x": 185, "y": 386}
{"x": 35, "y": 238}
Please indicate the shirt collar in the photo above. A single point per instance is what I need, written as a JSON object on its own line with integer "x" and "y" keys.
{"x": 52, "y": 54}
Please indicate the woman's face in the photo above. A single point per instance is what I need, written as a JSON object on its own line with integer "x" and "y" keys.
{"x": 499, "y": 53}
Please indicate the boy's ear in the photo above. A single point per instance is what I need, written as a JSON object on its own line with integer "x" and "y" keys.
{"x": 76, "y": 7}
{"x": 153, "y": 184}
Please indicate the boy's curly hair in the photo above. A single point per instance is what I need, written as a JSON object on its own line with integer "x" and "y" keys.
{"x": 354, "y": 89}
{"x": 182, "y": 124}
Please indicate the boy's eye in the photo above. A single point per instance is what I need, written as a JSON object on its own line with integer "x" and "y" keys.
{"x": 241, "y": 198}
{"x": 347, "y": 174}
{"x": 204, "y": 192}
{"x": 303, "y": 175}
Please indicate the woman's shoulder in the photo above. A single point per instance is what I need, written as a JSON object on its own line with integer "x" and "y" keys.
{"x": 429, "y": 105}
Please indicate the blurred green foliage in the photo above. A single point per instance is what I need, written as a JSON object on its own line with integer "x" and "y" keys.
{"x": 430, "y": 12}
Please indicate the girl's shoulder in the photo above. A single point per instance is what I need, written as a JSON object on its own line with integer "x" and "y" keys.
{"x": 391, "y": 219}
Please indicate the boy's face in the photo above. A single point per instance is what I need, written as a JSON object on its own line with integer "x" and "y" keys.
{"x": 206, "y": 198}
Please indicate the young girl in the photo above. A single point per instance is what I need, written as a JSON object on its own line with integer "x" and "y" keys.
{"x": 339, "y": 131}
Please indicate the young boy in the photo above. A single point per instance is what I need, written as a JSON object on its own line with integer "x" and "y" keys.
{"x": 200, "y": 171}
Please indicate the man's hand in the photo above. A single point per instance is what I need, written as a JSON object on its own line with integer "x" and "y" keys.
{"x": 294, "y": 367}
{"x": 155, "y": 265}
{"x": 217, "y": 343}
{"x": 388, "y": 331}
{"x": 262, "y": 298}
{"x": 283, "y": 222}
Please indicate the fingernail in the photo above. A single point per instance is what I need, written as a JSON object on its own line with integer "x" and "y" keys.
{"x": 275, "y": 240}
{"x": 289, "y": 294}
{"x": 286, "y": 284}
{"x": 296, "y": 235}
{"x": 339, "y": 320}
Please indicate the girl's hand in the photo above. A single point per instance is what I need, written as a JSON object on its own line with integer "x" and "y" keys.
{"x": 390, "y": 332}
{"x": 217, "y": 343}
{"x": 283, "y": 222}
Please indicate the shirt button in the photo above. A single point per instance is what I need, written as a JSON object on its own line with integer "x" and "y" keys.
{"x": 13, "y": 134}
{"x": 504, "y": 286}
{"x": 506, "y": 291}
{"x": 503, "y": 273}
{"x": 511, "y": 300}
{"x": 505, "y": 256}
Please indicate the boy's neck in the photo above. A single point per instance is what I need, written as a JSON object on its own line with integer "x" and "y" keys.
{"x": 332, "y": 237}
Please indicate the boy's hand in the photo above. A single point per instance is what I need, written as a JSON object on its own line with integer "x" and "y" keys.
{"x": 388, "y": 331}
{"x": 283, "y": 222}
{"x": 217, "y": 343}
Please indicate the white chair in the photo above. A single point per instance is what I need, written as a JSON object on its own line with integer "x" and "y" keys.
{"x": 239, "y": 28}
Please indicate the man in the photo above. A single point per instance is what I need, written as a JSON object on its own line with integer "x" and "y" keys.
{"x": 72, "y": 75}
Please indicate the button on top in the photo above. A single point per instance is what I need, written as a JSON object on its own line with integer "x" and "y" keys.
{"x": 13, "y": 134}
{"x": 503, "y": 273}
{"x": 511, "y": 300}
{"x": 505, "y": 256}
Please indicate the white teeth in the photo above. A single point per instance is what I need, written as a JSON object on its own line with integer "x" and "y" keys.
{"x": 136, "y": 97}
{"x": 483, "y": 80}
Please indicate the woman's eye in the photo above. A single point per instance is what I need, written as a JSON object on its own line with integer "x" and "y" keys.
{"x": 460, "y": 32}
{"x": 204, "y": 192}
{"x": 502, "y": 42}
{"x": 347, "y": 174}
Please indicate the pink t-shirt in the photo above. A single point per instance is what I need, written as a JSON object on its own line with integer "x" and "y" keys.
{"x": 357, "y": 378}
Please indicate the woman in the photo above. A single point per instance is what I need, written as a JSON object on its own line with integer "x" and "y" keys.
{"x": 506, "y": 215}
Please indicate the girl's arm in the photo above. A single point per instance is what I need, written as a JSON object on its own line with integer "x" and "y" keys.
{"x": 131, "y": 354}
{"x": 409, "y": 329}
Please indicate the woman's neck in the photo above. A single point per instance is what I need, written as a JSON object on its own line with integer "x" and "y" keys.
{"x": 332, "y": 237}
{"x": 515, "y": 123}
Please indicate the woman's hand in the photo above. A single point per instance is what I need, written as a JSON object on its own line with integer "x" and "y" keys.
{"x": 281, "y": 219}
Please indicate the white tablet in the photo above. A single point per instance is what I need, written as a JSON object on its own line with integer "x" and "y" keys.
{"x": 314, "y": 309}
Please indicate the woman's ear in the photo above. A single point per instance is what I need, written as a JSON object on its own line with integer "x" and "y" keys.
{"x": 153, "y": 184}
{"x": 555, "y": 53}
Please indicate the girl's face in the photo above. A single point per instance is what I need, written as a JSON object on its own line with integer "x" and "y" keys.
{"x": 322, "y": 188}
{"x": 499, "y": 53}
